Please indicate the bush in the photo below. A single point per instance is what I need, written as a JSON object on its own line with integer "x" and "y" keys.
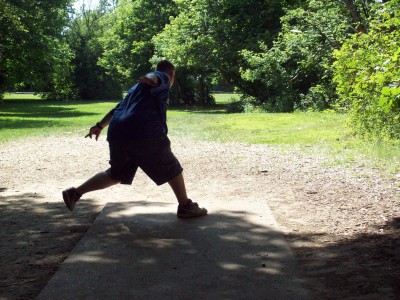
{"x": 318, "y": 98}
{"x": 244, "y": 105}
{"x": 296, "y": 72}
{"x": 367, "y": 74}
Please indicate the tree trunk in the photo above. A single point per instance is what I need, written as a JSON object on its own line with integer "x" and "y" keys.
{"x": 183, "y": 92}
{"x": 202, "y": 93}
{"x": 355, "y": 15}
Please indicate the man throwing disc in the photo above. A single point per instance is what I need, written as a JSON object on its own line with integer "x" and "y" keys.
{"x": 137, "y": 137}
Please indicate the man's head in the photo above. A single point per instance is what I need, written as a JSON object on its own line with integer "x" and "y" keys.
{"x": 167, "y": 67}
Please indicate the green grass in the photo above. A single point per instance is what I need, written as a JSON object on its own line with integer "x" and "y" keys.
{"x": 314, "y": 133}
{"x": 24, "y": 96}
{"x": 282, "y": 129}
{"x": 25, "y": 117}
{"x": 225, "y": 98}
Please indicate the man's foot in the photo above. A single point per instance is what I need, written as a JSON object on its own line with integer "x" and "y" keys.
{"x": 191, "y": 210}
{"x": 71, "y": 196}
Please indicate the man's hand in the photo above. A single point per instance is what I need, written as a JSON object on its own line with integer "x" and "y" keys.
{"x": 94, "y": 130}
{"x": 148, "y": 79}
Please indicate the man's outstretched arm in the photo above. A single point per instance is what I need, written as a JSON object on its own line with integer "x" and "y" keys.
{"x": 150, "y": 79}
{"x": 96, "y": 129}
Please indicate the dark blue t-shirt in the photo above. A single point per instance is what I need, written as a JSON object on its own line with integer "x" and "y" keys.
{"x": 143, "y": 112}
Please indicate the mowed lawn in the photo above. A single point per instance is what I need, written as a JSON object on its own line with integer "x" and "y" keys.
{"x": 30, "y": 116}
{"x": 259, "y": 128}
{"x": 27, "y": 115}
{"x": 20, "y": 118}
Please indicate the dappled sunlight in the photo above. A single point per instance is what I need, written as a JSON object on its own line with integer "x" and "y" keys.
{"x": 221, "y": 251}
{"x": 230, "y": 266}
{"x": 39, "y": 235}
{"x": 140, "y": 206}
{"x": 147, "y": 261}
{"x": 91, "y": 257}
{"x": 160, "y": 243}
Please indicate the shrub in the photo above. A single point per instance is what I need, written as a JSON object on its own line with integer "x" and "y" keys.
{"x": 367, "y": 73}
{"x": 296, "y": 72}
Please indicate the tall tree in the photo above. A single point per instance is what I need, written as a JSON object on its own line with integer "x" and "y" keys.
{"x": 360, "y": 27}
{"x": 189, "y": 43}
{"x": 84, "y": 33}
{"x": 241, "y": 25}
{"x": 207, "y": 37}
{"x": 367, "y": 72}
{"x": 30, "y": 33}
{"x": 127, "y": 44}
{"x": 296, "y": 70}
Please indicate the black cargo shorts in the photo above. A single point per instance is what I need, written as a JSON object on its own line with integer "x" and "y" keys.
{"x": 153, "y": 156}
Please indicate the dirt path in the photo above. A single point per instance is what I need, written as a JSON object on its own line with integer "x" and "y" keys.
{"x": 342, "y": 223}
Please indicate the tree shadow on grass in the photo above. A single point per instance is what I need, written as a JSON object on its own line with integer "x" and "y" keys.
{"x": 41, "y": 109}
{"x": 6, "y": 124}
{"x": 36, "y": 237}
{"x": 37, "y": 114}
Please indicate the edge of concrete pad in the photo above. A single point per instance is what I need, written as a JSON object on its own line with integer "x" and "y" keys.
{"x": 135, "y": 250}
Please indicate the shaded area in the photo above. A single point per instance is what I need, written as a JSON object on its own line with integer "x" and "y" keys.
{"x": 132, "y": 254}
{"x": 41, "y": 109}
{"x": 40, "y": 114}
{"x": 31, "y": 254}
{"x": 6, "y": 124}
{"x": 363, "y": 265}
{"x": 37, "y": 250}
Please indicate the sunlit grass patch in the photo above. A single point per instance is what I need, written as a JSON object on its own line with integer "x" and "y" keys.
{"x": 21, "y": 96}
{"x": 283, "y": 129}
{"x": 225, "y": 98}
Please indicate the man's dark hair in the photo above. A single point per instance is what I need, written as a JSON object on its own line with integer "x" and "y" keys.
{"x": 165, "y": 66}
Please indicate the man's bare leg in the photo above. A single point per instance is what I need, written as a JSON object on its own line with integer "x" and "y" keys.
{"x": 178, "y": 186}
{"x": 186, "y": 208}
{"x": 99, "y": 181}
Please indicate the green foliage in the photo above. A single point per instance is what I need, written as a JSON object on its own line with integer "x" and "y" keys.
{"x": 271, "y": 81}
{"x": 206, "y": 37}
{"x": 188, "y": 43}
{"x": 296, "y": 71}
{"x": 127, "y": 43}
{"x": 277, "y": 54}
{"x": 59, "y": 82}
{"x": 367, "y": 73}
{"x": 242, "y": 25}
{"x": 90, "y": 80}
{"x": 190, "y": 89}
{"x": 242, "y": 105}
{"x": 30, "y": 34}
{"x": 319, "y": 97}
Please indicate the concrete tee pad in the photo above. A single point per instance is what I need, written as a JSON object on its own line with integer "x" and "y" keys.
{"x": 140, "y": 250}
